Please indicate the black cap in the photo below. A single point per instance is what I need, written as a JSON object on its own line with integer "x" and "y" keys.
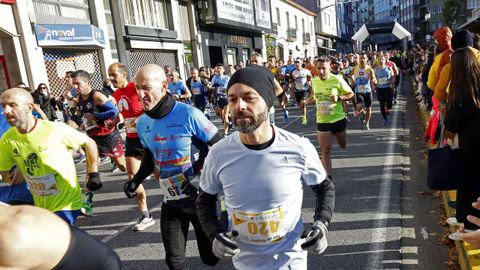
{"x": 257, "y": 77}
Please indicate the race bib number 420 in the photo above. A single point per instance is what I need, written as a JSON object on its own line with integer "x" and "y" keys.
{"x": 262, "y": 228}
{"x": 42, "y": 185}
{"x": 171, "y": 187}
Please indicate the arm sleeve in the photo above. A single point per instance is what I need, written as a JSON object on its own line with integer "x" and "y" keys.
{"x": 325, "y": 201}
{"x": 146, "y": 167}
{"x": 440, "y": 90}
{"x": 313, "y": 173}
{"x": 110, "y": 111}
{"x": 207, "y": 214}
{"x": 217, "y": 137}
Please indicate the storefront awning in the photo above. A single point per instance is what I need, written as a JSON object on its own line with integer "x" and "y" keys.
{"x": 57, "y": 35}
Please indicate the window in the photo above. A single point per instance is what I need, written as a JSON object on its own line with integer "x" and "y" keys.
{"x": 231, "y": 56}
{"x": 472, "y": 4}
{"x": 288, "y": 20}
{"x": 278, "y": 17}
{"x": 76, "y": 9}
{"x": 296, "y": 22}
{"x": 303, "y": 25}
{"x": 147, "y": 13}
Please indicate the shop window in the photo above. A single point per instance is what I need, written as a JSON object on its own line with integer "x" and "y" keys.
{"x": 232, "y": 56}
{"x": 245, "y": 55}
{"x": 147, "y": 13}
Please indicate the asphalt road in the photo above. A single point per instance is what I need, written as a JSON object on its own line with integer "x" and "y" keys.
{"x": 382, "y": 220}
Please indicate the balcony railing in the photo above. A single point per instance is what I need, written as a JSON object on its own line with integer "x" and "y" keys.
{"x": 291, "y": 34}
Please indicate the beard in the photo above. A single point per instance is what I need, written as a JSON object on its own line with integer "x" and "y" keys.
{"x": 250, "y": 121}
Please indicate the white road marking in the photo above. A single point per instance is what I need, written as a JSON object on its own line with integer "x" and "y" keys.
{"x": 424, "y": 233}
{"x": 379, "y": 236}
{"x": 129, "y": 225}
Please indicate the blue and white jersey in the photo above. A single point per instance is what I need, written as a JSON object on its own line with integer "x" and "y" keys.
{"x": 178, "y": 88}
{"x": 384, "y": 76}
{"x": 263, "y": 195}
{"x": 197, "y": 88}
{"x": 362, "y": 79}
{"x": 220, "y": 84}
{"x": 169, "y": 139}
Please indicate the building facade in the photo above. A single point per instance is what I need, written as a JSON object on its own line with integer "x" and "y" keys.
{"x": 149, "y": 32}
{"x": 230, "y": 31}
{"x": 44, "y": 39}
{"x": 294, "y": 29}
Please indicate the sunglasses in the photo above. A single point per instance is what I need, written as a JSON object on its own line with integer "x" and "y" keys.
{"x": 43, "y": 87}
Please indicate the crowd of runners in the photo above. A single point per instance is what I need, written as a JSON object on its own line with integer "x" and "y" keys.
{"x": 169, "y": 137}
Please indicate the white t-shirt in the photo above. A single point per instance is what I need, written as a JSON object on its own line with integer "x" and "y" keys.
{"x": 300, "y": 79}
{"x": 263, "y": 195}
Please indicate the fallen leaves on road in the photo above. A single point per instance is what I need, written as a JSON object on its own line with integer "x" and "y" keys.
{"x": 424, "y": 193}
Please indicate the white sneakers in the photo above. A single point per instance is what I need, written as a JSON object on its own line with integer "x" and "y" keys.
{"x": 143, "y": 223}
{"x": 453, "y": 221}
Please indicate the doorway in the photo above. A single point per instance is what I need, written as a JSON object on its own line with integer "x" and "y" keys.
{"x": 4, "y": 78}
{"x": 216, "y": 55}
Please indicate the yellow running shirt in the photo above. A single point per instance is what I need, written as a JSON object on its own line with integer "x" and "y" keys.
{"x": 327, "y": 111}
{"x": 43, "y": 156}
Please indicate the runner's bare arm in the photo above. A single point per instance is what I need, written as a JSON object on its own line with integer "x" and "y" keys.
{"x": 33, "y": 231}
{"x": 91, "y": 150}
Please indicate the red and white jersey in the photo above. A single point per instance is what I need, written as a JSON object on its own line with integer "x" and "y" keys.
{"x": 130, "y": 107}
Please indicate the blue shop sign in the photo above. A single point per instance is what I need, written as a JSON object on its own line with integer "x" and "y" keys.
{"x": 69, "y": 35}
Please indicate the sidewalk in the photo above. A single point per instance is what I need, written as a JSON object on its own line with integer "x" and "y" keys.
{"x": 468, "y": 256}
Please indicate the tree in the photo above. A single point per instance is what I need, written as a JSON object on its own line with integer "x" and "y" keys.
{"x": 270, "y": 43}
{"x": 451, "y": 10}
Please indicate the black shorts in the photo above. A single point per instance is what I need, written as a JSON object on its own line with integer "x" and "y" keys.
{"x": 110, "y": 145}
{"x": 364, "y": 98}
{"x": 385, "y": 95}
{"x": 335, "y": 128}
{"x": 301, "y": 95}
{"x": 77, "y": 119}
{"x": 222, "y": 102}
{"x": 133, "y": 147}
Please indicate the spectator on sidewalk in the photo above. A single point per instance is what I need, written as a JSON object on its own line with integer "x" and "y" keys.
{"x": 463, "y": 117}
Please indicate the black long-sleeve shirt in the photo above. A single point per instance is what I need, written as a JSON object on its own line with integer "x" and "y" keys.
{"x": 464, "y": 120}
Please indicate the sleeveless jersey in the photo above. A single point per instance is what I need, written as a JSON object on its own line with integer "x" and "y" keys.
{"x": 97, "y": 127}
{"x": 362, "y": 81}
{"x": 383, "y": 77}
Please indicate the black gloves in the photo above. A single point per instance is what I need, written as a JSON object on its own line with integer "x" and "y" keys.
{"x": 94, "y": 182}
{"x": 189, "y": 189}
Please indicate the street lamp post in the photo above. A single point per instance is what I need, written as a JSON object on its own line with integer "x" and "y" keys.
{"x": 427, "y": 31}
